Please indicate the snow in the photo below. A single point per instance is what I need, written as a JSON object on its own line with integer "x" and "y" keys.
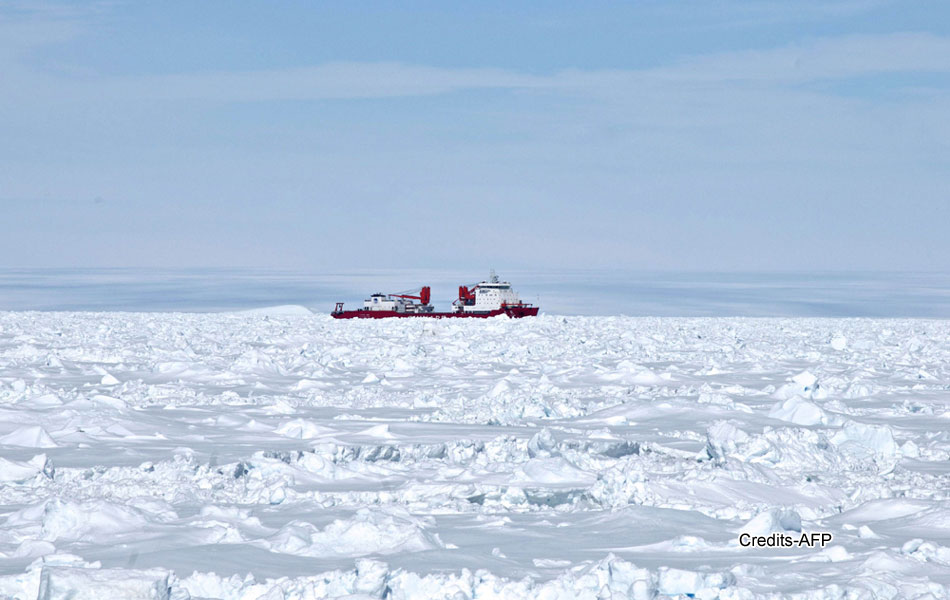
{"x": 368, "y": 532}
{"x": 282, "y": 454}
{"x": 283, "y": 310}
{"x": 30, "y": 436}
{"x": 866, "y": 441}
{"x": 12, "y": 471}
{"x": 302, "y": 429}
{"x": 773, "y": 521}
{"x": 839, "y": 342}
{"x": 799, "y": 411}
{"x": 69, "y": 583}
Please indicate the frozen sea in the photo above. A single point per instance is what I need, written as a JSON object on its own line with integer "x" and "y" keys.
{"x": 164, "y": 437}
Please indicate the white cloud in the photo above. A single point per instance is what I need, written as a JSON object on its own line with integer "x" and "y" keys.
{"x": 825, "y": 59}
{"x": 737, "y": 139}
{"x": 329, "y": 81}
{"x": 831, "y": 58}
{"x": 815, "y": 60}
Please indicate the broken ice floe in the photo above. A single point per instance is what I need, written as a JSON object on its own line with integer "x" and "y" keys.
{"x": 213, "y": 455}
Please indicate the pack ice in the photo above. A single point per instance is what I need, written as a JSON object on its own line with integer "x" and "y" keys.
{"x": 285, "y": 455}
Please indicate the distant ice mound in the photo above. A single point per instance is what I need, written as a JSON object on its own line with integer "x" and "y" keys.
{"x": 862, "y": 442}
{"x": 553, "y": 472}
{"x": 775, "y": 520}
{"x": 61, "y": 583}
{"x": 856, "y": 446}
{"x": 31, "y": 436}
{"x": 804, "y": 385}
{"x": 724, "y": 438}
{"x": 12, "y": 471}
{"x": 284, "y": 310}
{"x": 91, "y": 522}
{"x": 302, "y": 429}
{"x": 630, "y": 373}
{"x": 799, "y": 411}
{"x": 368, "y": 532}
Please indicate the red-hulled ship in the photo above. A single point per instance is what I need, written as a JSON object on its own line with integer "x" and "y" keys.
{"x": 486, "y": 299}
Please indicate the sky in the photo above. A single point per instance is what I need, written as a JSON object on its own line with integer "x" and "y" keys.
{"x": 648, "y": 135}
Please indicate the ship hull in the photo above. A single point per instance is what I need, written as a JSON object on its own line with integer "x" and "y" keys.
{"x": 515, "y": 312}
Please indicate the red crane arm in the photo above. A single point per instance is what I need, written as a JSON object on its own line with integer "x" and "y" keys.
{"x": 466, "y": 294}
{"x": 423, "y": 297}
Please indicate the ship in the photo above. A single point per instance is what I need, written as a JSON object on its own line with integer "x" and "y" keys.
{"x": 489, "y": 298}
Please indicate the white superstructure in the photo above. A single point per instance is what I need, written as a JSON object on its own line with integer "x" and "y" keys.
{"x": 487, "y": 296}
{"x": 384, "y": 302}
{"x": 387, "y": 302}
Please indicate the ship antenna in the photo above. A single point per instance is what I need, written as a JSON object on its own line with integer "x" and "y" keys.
{"x": 493, "y": 278}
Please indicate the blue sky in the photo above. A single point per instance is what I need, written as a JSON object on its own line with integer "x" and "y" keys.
{"x": 700, "y": 136}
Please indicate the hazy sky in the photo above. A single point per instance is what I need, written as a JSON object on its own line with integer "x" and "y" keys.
{"x": 646, "y": 135}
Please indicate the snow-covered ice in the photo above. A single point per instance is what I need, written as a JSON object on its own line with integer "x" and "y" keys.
{"x": 279, "y": 454}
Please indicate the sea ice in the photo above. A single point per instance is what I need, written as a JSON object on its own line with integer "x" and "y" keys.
{"x": 12, "y": 471}
{"x": 281, "y": 454}
{"x": 799, "y": 411}
{"x": 31, "y": 437}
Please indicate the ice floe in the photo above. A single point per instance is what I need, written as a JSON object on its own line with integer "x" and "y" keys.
{"x": 282, "y": 454}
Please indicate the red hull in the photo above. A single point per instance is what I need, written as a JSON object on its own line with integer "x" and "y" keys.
{"x": 515, "y": 312}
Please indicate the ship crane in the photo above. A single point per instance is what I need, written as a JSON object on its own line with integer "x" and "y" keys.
{"x": 424, "y": 295}
{"x": 467, "y": 295}
{"x": 467, "y": 292}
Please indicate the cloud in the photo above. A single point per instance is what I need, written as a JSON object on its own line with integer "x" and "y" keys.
{"x": 26, "y": 28}
{"x": 328, "y": 81}
{"x": 716, "y": 151}
{"x": 833, "y": 58}
{"x": 819, "y": 60}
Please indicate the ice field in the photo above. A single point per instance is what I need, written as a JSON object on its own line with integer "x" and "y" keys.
{"x": 280, "y": 454}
